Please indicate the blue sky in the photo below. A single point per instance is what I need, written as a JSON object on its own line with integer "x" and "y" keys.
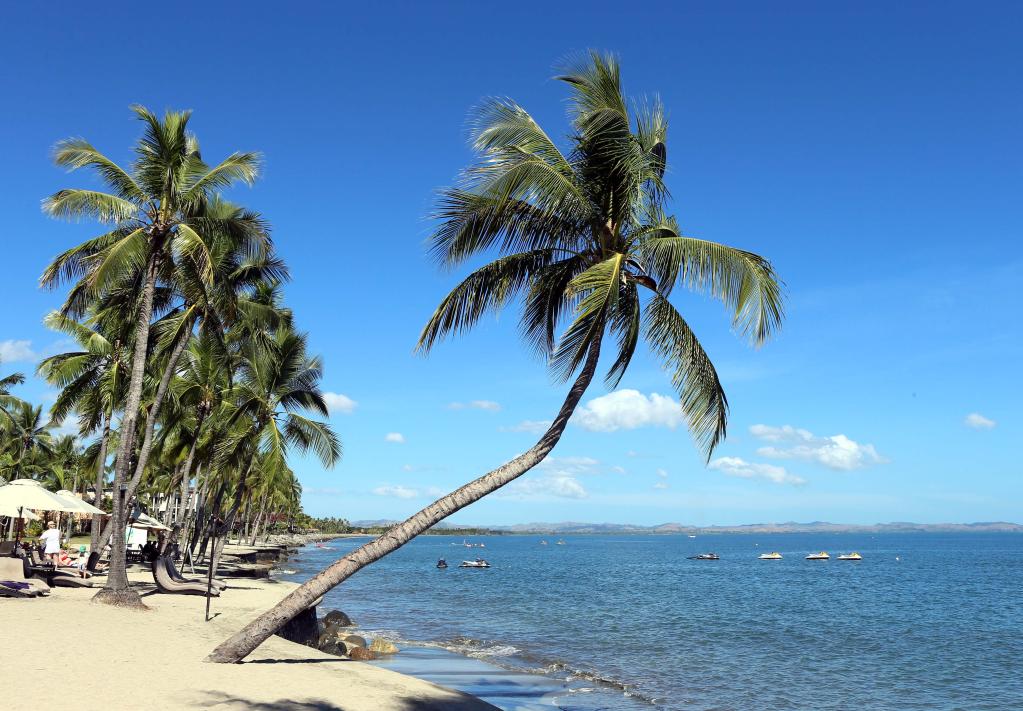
{"x": 871, "y": 151}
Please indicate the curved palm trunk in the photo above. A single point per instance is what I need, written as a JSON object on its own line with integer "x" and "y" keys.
{"x": 116, "y": 590}
{"x": 97, "y": 520}
{"x": 238, "y": 646}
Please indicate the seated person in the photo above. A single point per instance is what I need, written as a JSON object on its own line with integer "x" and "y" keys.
{"x": 81, "y": 564}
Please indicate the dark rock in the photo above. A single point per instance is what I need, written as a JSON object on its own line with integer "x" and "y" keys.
{"x": 336, "y": 618}
{"x": 354, "y": 640}
{"x": 302, "y": 628}
{"x": 361, "y": 654}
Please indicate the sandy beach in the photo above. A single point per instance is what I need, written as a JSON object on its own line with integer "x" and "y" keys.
{"x": 63, "y": 651}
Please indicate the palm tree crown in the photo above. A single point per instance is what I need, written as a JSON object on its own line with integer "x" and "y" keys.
{"x": 579, "y": 232}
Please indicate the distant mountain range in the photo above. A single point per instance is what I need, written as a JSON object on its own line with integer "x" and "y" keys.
{"x": 568, "y": 527}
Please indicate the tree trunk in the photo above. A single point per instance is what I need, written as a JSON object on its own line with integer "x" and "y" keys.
{"x": 154, "y": 412}
{"x": 241, "y": 644}
{"x": 116, "y": 590}
{"x": 147, "y": 440}
{"x": 97, "y": 520}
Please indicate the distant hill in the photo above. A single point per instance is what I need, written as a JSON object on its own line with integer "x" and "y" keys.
{"x": 567, "y": 527}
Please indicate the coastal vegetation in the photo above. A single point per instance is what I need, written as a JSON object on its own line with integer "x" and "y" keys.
{"x": 584, "y": 237}
{"x": 189, "y": 374}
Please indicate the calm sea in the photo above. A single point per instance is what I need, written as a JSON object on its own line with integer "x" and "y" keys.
{"x": 925, "y": 621}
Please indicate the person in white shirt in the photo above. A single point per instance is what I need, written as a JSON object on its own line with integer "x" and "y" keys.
{"x": 51, "y": 538}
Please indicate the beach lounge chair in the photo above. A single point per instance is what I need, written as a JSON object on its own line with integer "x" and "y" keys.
{"x": 172, "y": 569}
{"x": 15, "y": 581}
{"x": 6, "y": 548}
{"x": 166, "y": 584}
{"x": 64, "y": 576}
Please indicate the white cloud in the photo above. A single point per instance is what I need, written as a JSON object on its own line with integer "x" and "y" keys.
{"x": 396, "y": 437}
{"x": 435, "y": 492}
{"x": 835, "y": 452}
{"x": 663, "y": 473}
{"x": 407, "y": 468}
{"x": 68, "y": 427}
{"x": 734, "y": 466}
{"x": 628, "y": 410}
{"x": 531, "y": 426}
{"x": 398, "y": 492}
{"x": 545, "y": 487}
{"x": 978, "y": 422}
{"x": 16, "y": 351}
{"x": 336, "y": 402}
{"x": 488, "y": 405}
{"x": 619, "y": 469}
{"x": 661, "y": 485}
{"x": 569, "y": 466}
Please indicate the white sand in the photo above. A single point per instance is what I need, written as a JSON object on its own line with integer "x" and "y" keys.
{"x": 64, "y": 652}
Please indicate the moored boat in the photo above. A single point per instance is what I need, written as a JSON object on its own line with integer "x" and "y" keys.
{"x": 770, "y": 556}
{"x": 478, "y": 563}
{"x": 823, "y": 555}
{"x": 850, "y": 556}
{"x": 705, "y": 556}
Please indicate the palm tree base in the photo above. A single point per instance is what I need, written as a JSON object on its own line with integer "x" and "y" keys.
{"x": 120, "y": 598}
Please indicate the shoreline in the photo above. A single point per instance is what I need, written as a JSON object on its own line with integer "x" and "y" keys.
{"x": 99, "y": 657}
{"x": 517, "y": 685}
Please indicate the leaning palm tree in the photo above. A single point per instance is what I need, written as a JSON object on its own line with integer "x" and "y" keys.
{"x": 156, "y": 214}
{"x": 585, "y": 238}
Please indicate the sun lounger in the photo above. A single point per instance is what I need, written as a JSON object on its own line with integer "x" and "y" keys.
{"x": 12, "y": 570}
{"x": 63, "y": 576}
{"x": 173, "y": 570}
{"x": 6, "y": 548}
{"x": 166, "y": 584}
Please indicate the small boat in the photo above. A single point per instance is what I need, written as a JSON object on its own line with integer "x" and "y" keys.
{"x": 770, "y": 556}
{"x": 543, "y": 543}
{"x": 705, "y": 556}
{"x": 823, "y": 555}
{"x": 478, "y": 563}
{"x": 561, "y": 543}
{"x": 692, "y": 536}
{"x": 442, "y": 563}
{"x": 850, "y": 556}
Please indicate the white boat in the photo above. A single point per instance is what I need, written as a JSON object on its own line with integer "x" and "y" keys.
{"x": 478, "y": 563}
{"x": 770, "y": 556}
{"x": 561, "y": 543}
{"x": 823, "y": 555}
{"x": 543, "y": 543}
{"x": 850, "y": 556}
{"x": 692, "y": 536}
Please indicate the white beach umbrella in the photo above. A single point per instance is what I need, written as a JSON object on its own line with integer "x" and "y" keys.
{"x": 15, "y": 512}
{"x": 147, "y": 521}
{"x": 81, "y": 506}
{"x": 28, "y": 494}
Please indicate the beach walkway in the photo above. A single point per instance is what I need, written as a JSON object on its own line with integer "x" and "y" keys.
{"x": 62, "y": 651}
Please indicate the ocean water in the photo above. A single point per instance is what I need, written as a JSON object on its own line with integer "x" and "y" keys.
{"x": 925, "y": 621}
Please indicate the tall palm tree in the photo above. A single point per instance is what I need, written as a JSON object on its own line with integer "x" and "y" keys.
{"x": 9, "y": 402}
{"x": 276, "y": 382}
{"x": 156, "y": 211}
{"x": 28, "y": 440}
{"x": 92, "y": 384}
{"x": 584, "y": 237}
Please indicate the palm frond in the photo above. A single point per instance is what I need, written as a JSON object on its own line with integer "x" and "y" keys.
{"x": 702, "y": 397}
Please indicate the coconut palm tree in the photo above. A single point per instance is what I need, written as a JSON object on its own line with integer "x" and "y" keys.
{"x": 276, "y": 381}
{"x": 584, "y": 237}
{"x": 28, "y": 441}
{"x": 156, "y": 211}
{"x": 92, "y": 383}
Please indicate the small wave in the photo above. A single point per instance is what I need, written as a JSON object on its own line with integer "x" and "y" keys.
{"x": 512, "y": 658}
{"x": 282, "y": 571}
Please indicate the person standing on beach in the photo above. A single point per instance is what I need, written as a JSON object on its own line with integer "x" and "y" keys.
{"x": 51, "y": 538}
